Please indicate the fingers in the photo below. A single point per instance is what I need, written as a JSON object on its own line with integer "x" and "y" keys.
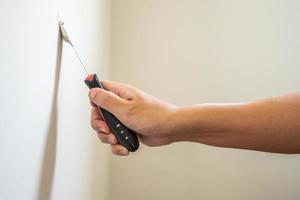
{"x": 107, "y": 138}
{"x": 107, "y": 100}
{"x": 97, "y": 122}
{"x": 114, "y": 100}
{"x": 116, "y": 148}
{"x": 122, "y": 90}
{"x": 119, "y": 150}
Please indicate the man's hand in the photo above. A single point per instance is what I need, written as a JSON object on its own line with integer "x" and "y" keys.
{"x": 271, "y": 125}
{"x": 142, "y": 113}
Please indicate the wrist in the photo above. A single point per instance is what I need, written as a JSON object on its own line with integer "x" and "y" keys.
{"x": 180, "y": 124}
{"x": 200, "y": 123}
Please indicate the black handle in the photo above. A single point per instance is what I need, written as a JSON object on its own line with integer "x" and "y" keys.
{"x": 124, "y": 135}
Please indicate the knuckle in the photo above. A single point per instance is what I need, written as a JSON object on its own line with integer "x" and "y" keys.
{"x": 130, "y": 87}
{"x": 126, "y": 85}
{"x": 97, "y": 125}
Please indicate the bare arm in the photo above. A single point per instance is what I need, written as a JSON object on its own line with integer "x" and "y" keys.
{"x": 271, "y": 125}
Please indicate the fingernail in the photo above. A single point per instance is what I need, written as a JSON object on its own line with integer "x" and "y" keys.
{"x": 124, "y": 151}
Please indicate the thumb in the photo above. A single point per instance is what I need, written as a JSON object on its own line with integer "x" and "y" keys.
{"x": 107, "y": 100}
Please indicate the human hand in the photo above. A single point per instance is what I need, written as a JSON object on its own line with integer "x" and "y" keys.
{"x": 141, "y": 112}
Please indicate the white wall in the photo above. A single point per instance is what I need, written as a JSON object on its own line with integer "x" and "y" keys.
{"x": 195, "y": 51}
{"x": 46, "y": 143}
{"x": 185, "y": 52}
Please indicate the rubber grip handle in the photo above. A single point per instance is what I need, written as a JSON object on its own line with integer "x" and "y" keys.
{"x": 124, "y": 135}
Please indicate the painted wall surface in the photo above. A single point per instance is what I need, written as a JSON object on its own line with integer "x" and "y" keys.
{"x": 185, "y": 52}
{"x": 47, "y": 148}
{"x": 190, "y": 52}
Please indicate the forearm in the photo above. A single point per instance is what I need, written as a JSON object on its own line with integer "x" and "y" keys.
{"x": 271, "y": 125}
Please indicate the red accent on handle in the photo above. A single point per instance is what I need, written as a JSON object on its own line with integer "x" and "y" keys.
{"x": 89, "y": 77}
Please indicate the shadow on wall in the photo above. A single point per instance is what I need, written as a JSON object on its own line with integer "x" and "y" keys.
{"x": 49, "y": 157}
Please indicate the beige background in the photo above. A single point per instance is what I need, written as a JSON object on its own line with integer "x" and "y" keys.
{"x": 193, "y": 51}
{"x": 185, "y": 52}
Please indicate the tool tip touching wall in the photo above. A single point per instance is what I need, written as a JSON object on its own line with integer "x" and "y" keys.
{"x": 66, "y": 38}
{"x": 64, "y": 33}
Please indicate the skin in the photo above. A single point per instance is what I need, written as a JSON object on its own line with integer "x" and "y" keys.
{"x": 270, "y": 125}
